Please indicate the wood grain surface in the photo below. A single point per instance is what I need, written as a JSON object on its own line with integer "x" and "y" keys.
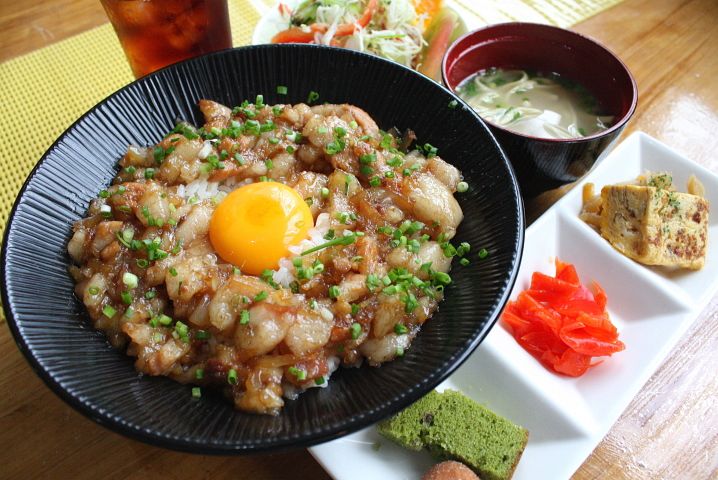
{"x": 670, "y": 430}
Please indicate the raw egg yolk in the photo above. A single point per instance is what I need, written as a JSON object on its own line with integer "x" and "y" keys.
{"x": 254, "y": 225}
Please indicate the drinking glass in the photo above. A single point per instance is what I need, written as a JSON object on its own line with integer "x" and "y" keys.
{"x": 156, "y": 33}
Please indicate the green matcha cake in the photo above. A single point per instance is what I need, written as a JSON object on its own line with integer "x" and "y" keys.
{"x": 452, "y": 426}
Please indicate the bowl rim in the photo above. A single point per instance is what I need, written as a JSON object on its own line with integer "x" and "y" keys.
{"x": 155, "y": 437}
{"x": 563, "y": 31}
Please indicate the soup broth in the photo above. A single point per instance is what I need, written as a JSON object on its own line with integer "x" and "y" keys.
{"x": 539, "y": 105}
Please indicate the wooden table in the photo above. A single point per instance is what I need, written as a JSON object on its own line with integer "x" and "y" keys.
{"x": 670, "y": 430}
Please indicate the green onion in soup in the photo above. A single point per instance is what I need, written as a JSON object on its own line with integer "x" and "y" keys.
{"x": 546, "y": 106}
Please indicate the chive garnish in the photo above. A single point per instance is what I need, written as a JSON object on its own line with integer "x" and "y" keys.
{"x": 345, "y": 240}
{"x": 355, "y": 330}
{"x": 232, "y": 376}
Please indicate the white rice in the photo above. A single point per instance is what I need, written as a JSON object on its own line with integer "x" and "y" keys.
{"x": 205, "y": 151}
{"x": 291, "y": 391}
{"x": 284, "y": 275}
{"x": 232, "y": 184}
{"x": 200, "y": 189}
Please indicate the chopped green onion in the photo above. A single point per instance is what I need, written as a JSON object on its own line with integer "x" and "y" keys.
{"x": 142, "y": 263}
{"x": 355, "y": 330}
{"x": 199, "y": 374}
{"x": 400, "y": 329}
{"x": 355, "y": 309}
{"x": 394, "y": 162}
{"x": 334, "y": 292}
{"x": 463, "y": 249}
{"x": 196, "y": 392}
{"x": 441, "y": 278}
{"x": 367, "y": 159}
{"x": 375, "y": 181}
{"x": 261, "y": 296}
{"x": 104, "y": 194}
{"x": 464, "y": 261}
{"x": 345, "y": 240}
{"x": 150, "y": 294}
{"x": 390, "y": 290}
{"x": 430, "y": 150}
{"x": 93, "y": 290}
{"x": 387, "y": 141}
{"x": 399, "y": 351}
{"x": 335, "y": 147}
{"x": 483, "y": 253}
{"x": 313, "y": 97}
{"x": 282, "y": 90}
{"x": 372, "y": 282}
{"x": 106, "y": 211}
{"x": 232, "y": 376}
{"x": 461, "y": 187}
{"x": 165, "y": 320}
{"x": 126, "y": 298}
{"x": 182, "y": 331}
{"x": 298, "y": 373}
{"x": 319, "y": 381}
{"x": 108, "y": 311}
{"x": 129, "y": 279}
{"x": 202, "y": 335}
{"x": 453, "y": 104}
{"x": 325, "y": 192}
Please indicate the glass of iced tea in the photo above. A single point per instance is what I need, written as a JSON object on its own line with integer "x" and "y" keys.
{"x": 156, "y": 33}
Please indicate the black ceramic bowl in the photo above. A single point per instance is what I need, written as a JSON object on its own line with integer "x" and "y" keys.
{"x": 53, "y": 331}
{"x": 541, "y": 163}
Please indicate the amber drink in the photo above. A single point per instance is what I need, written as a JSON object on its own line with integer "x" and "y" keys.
{"x": 156, "y": 33}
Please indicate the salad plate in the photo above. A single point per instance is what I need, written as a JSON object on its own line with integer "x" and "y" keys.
{"x": 566, "y": 417}
{"x": 273, "y": 21}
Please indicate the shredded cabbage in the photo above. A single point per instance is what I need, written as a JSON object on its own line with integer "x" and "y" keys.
{"x": 394, "y": 32}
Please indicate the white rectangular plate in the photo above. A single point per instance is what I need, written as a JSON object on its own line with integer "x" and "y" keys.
{"x": 566, "y": 417}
